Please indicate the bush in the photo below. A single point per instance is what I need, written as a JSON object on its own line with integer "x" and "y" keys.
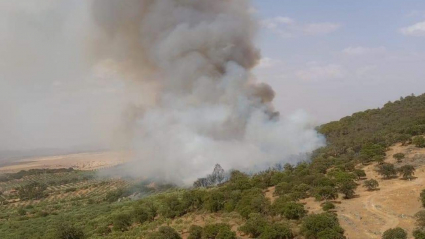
{"x": 277, "y": 231}
{"x": 347, "y": 188}
{"x": 399, "y": 157}
{"x": 195, "y": 232}
{"x": 239, "y": 181}
{"x": 283, "y": 188}
{"x": 360, "y": 173}
{"x": 214, "y": 201}
{"x": 171, "y": 207}
{"x": 387, "y": 170}
{"x": 252, "y": 201}
{"x": 407, "y": 171}
{"x": 141, "y": 215}
{"x": 22, "y": 211}
{"x": 255, "y": 225}
{"x": 330, "y": 234}
{"x": 420, "y": 219}
{"x": 293, "y": 210}
{"x": 371, "y": 184}
{"x": 32, "y": 191}
{"x": 218, "y": 231}
{"x": 328, "y": 206}
{"x": 418, "y": 234}
{"x": 165, "y": 232}
{"x": 113, "y": 196}
{"x": 419, "y": 141}
{"x": 121, "y": 222}
{"x": 315, "y": 224}
{"x": 395, "y": 233}
{"x": 325, "y": 193}
{"x": 69, "y": 232}
{"x": 422, "y": 197}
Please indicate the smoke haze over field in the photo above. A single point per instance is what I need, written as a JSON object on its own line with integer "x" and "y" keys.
{"x": 171, "y": 79}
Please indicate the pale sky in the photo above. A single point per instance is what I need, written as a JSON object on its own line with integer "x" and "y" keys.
{"x": 328, "y": 58}
{"x": 334, "y": 58}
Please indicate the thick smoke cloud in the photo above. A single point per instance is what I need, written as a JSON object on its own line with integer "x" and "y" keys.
{"x": 171, "y": 79}
{"x": 208, "y": 107}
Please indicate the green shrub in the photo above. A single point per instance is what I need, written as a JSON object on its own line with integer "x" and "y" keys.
{"x": 325, "y": 193}
{"x": 371, "y": 184}
{"x": 171, "y": 207}
{"x": 255, "y": 225}
{"x": 121, "y": 222}
{"x": 252, "y": 201}
{"x": 195, "y": 232}
{"x": 218, "y": 231}
{"x": 418, "y": 234}
{"x": 395, "y": 233}
{"x": 387, "y": 170}
{"x": 214, "y": 201}
{"x": 164, "y": 232}
{"x": 314, "y": 224}
{"x": 293, "y": 210}
{"x": 21, "y": 211}
{"x": 419, "y": 141}
{"x": 32, "y": 191}
{"x": 70, "y": 190}
{"x": 360, "y": 173}
{"x": 283, "y": 188}
{"x": 328, "y": 206}
{"x": 65, "y": 231}
{"x": 277, "y": 231}
{"x": 239, "y": 181}
{"x": 422, "y": 196}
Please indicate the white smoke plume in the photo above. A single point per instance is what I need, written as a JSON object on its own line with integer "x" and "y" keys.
{"x": 208, "y": 107}
{"x": 187, "y": 98}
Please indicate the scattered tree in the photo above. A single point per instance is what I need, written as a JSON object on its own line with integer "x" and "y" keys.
{"x": 347, "y": 188}
{"x": 218, "y": 231}
{"x": 326, "y": 193}
{"x": 360, "y": 173}
{"x": 328, "y": 206}
{"x": 419, "y": 234}
{"x": 121, "y": 222}
{"x": 165, "y": 232}
{"x": 371, "y": 184}
{"x": 419, "y": 141}
{"x": 65, "y": 231}
{"x": 277, "y": 231}
{"x": 399, "y": 157}
{"x": 316, "y": 225}
{"x": 422, "y": 197}
{"x": 32, "y": 191}
{"x": 407, "y": 171}
{"x": 395, "y": 233}
{"x": 387, "y": 170}
{"x": 195, "y": 232}
{"x": 420, "y": 219}
{"x": 255, "y": 225}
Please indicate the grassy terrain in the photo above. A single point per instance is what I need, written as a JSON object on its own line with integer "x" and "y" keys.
{"x": 39, "y": 204}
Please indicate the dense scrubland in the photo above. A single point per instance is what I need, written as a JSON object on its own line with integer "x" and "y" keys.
{"x": 66, "y": 203}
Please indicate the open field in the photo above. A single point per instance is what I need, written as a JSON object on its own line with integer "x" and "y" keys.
{"x": 80, "y": 161}
{"x": 371, "y": 213}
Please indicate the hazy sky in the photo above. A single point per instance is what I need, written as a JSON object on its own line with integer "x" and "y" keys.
{"x": 333, "y": 58}
{"x": 329, "y": 58}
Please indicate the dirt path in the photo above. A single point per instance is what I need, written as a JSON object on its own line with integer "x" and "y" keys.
{"x": 395, "y": 204}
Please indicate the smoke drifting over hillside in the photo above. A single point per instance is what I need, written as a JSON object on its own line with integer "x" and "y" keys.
{"x": 188, "y": 99}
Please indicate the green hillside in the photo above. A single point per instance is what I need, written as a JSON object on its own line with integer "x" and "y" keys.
{"x": 73, "y": 204}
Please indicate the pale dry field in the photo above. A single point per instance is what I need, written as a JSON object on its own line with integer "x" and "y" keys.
{"x": 80, "y": 161}
{"x": 394, "y": 205}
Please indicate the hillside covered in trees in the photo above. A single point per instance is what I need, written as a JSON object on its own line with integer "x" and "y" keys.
{"x": 237, "y": 206}
{"x": 396, "y": 122}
